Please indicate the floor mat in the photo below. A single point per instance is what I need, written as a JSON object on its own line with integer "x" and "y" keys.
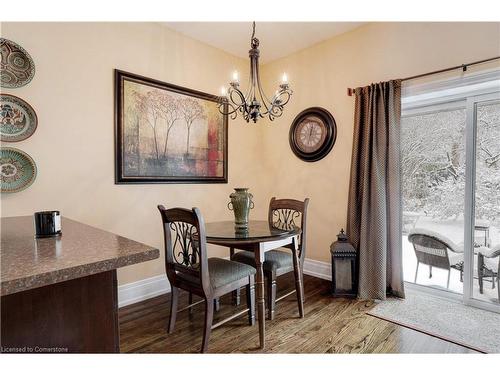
{"x": 446, "y": 319}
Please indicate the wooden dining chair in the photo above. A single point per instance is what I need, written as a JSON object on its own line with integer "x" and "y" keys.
{"x": 282, "y": 213}
{"x": 189, "y": 268}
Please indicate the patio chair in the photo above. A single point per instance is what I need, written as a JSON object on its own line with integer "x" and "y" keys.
{"x": 436, "y": 250}
{"x": 488, "y": 264}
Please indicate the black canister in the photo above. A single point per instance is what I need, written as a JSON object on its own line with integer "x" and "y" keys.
{"x": 47, "y": 223}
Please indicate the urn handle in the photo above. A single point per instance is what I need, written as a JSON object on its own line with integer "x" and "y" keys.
{"x": 252, "y": 205}
{"x": 230, "y": 206}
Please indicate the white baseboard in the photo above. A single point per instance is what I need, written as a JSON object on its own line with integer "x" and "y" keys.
{"x": 143, "y": 289}
{"x": 154, "y": 286}
{"x": 316, "y": 268}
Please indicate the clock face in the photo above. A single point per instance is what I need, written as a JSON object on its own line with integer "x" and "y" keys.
{"x": 310, "y": 134}
{"x": 313, "y": 134}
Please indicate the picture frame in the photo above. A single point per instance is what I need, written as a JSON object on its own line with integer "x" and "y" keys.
{"x": 166, "y": 133}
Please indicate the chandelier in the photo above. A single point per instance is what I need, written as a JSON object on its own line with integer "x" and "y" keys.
{"x": 254, "y": 103}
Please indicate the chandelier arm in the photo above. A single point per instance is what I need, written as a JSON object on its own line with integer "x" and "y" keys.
{"x": 261, "y": 90}
{"x": 265, "y": 101}
{"x": 249, "y": 85}
{"x": 232, "y": 105}
{"x": 243, "y": 107}
{"x": 227, "y": 108}
{"x": 281, "y": 97}
{"x": 267, "y": 105}
{"x": 232, "y": 91}
{"x": 250, "y": 93}
{"x": 288, "y": 94}
{"x": 263, "y": 97}
{"x": 278, "y": 104}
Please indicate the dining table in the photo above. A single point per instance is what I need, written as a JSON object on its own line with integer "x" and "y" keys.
{"x": 260, "y": 237}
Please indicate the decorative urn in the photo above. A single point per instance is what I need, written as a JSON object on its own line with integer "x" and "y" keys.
{"x": 241, "y": 203}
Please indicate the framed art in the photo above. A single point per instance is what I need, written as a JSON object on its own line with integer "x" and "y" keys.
{"x": 167, "y": 134}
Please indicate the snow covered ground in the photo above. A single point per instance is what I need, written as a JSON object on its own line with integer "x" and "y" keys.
{"x": 454, "y": 230}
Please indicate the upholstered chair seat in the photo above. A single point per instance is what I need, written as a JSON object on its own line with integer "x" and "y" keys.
{"x": 223, "y": 272}
{"x": 275, "y": 259}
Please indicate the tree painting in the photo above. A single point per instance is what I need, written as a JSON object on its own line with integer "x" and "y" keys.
{"x": 172, "y": 113}
{"x": 191, "y": 111}
{"x": 170, "y": 135}
{"x": 150, "y": 110}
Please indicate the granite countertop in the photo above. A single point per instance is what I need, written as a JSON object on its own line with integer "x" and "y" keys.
{"x": 28, "y": 262}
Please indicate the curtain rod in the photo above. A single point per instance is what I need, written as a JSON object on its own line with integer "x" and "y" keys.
{"x": 350, "y": 91}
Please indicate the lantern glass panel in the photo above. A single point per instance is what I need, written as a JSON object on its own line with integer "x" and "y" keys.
{"x": 343, "y": 275}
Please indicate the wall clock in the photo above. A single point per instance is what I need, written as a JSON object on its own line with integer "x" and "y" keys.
{"x": 313, "y": 134}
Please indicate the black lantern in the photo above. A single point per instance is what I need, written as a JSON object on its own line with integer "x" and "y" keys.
{"x": 344, "y": 267}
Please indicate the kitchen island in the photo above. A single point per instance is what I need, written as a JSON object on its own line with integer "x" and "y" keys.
{"x": 59, "y": 294}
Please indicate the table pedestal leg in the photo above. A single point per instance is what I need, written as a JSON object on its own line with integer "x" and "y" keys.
{"x": 298, "y": 277}
{"x": 259, "y": 287}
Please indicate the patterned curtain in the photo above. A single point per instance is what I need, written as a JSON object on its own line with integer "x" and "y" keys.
{"x": 374, "y": 209}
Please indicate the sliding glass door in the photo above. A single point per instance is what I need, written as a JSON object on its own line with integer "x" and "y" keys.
{"x": 450, "y": 150}
{"x": 433, "y": 160}
{"x": 483, "y": 202}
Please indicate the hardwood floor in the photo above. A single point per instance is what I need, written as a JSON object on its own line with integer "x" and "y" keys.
{"x": 331, "y": 325}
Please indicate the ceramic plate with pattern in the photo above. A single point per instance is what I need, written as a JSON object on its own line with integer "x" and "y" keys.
{"x": 17, "y": 119}
{"x": 17, "y": 67}
{"x": 17, "y": 169}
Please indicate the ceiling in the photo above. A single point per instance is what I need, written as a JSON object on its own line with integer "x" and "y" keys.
{"x": 277, "y": 39}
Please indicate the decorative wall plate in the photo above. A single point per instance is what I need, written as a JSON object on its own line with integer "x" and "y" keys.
{"x": 17, "y": 170}
{"x": 17, "y": 67}
{"x": 313, "y": 134}
{"x": 18, "y": 119}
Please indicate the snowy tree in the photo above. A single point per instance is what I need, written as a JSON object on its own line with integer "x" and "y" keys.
{"x": 433, "y": 163}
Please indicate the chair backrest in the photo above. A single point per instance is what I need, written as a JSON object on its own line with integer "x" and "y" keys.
{"x": 290, "y": 213}
{"x": 430, "y": 249}
{"x": 186, "y": 260}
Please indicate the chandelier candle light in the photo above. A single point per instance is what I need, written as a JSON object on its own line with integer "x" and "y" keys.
{"x": 255, "y": 103}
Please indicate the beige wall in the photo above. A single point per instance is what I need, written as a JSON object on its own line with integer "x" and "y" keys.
{"x": 72, "y": 93}
{"x": 320, "y": 76}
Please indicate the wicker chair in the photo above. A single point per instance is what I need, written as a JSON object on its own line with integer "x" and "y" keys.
{"x": 488, "y": 266}
{"x": 436, "y": 250}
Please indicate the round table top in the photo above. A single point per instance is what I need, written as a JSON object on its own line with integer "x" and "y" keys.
{"x": 258, "y": 230}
